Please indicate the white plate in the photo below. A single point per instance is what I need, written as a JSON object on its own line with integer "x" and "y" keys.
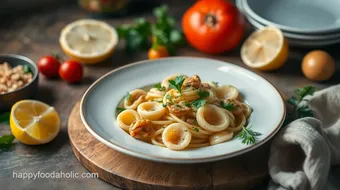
{"x": 300, "y": 16}
{"x": 100, "y": 100}
{"x": 299, "y": 42}
{"x": 298, "y": 36}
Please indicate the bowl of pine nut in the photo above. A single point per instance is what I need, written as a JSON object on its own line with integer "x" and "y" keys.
{"x": 19, "y": 77}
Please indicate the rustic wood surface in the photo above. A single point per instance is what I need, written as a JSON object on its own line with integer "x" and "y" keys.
{"x": 35, "y": 33}
{"x": 132, "y": 173}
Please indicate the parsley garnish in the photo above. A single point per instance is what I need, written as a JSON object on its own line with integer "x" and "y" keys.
{"x": 248, "y": 136}
{"x": 128, "y": 96}
{"x": 120, "y": 109}
{"x": 4, "y": 118}
{"x": 215, "y": 83}
{"x": 6, "y": 141}
{"x": 196, "y": 129}
{"x": 302, "y": 110}
{"x": 159, "y": 87}
{"x": 198, "y": 103}
{"x": 177, "y": 83}
{"x": 202, "y": 94}
{"x": 227, "y": 106}
{"x": 27, "y": 69}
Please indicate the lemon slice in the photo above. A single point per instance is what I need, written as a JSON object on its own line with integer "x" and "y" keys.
{"x": 265, "y": 49}
{"x": 33, "y": 122}
{"x": 88, "y": 41}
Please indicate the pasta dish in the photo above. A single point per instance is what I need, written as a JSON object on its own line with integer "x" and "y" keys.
{"x": 183, "y": 112}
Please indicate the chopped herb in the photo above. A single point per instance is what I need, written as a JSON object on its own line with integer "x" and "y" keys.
{"x": 202, "y": 94}
{"x": 248, "y": 136}
{"x": 168, "y": 96}
{"x": 128, "y": 96}
{"x": 302, "y": 110}
{"x": 4, "y": 118}
{"x": 227, "y": 106}
{"x": 177, "y": 83}
{"x": 164, "y": 105}
{"x": 159, "y": 101}
{"x": 179, "y": 106}
{"x": 188, "y": 104}
{"x": 6, "y": 141}
{"x": 198, "y": 103}
{"x": 120, "y": 109}
{"x": 196, "y": 129}
{"x": 27, "y": 69}
{"x": 215, "y": 83}
{"x": 159, "y": 87}
{"x": 185, "y": 130}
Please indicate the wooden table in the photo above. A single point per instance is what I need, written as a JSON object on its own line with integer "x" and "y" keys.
{"x": 36, "y": 34}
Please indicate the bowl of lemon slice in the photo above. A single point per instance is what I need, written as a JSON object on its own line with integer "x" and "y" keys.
{"x": 88, "y": 41}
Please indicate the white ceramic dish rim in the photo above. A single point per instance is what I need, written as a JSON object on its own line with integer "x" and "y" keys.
{"x": 299, "y": 42}
{"x": 174, "y": 160}
{"x": 246, "y": 8}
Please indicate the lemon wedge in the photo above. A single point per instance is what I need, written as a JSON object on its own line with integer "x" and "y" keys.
{"x": 265, "y": 49}
{"x": 88, "y": 41}
{"x": 33, "y": 122}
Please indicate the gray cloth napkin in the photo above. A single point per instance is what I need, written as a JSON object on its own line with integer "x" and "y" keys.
{"x": 303, "y": 152}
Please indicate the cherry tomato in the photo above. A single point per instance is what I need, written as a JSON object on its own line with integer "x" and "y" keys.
{"x": 49, "y": 66}
{"x": 213, "y": 26}
{"x": 158, "y": 52}
{"x": 71, "y": 71}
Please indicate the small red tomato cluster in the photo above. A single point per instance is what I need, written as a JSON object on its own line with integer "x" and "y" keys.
{"x": 70, "y": 71}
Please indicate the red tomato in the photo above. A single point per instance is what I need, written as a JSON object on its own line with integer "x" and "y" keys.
{"x": 49, "y": 66}
{"x": 213, "y": 26}
{"x": 71, "y": 71}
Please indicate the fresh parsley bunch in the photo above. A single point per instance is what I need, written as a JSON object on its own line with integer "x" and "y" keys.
{"x": 6, "y": 141}
{"x": 298, "y": 102}
{"x": 137, "y": 36}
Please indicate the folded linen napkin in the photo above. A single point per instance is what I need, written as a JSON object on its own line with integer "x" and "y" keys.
{"x": 304, "y": 151}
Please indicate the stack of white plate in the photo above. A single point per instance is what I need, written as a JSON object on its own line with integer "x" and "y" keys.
{"x": 306, "y": 23}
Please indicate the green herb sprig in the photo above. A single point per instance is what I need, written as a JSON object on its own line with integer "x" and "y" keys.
{"x": 159, "y": 87}
{"x": 137, "y": 36}
{"x": 4, "y": 118}
{"x": 120, "y": 109}
{"x": 248, "y": 136}
{"x": 227, "y": 106}
{"x": 202, "y": 94}
{"x": 177, "y": 83}
{"x": 302, "y": 110}
{"x": 128, "y": 96}
{"x": 6, "y": 142}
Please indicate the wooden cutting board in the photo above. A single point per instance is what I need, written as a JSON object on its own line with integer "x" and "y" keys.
{"x": 242, "y": 172}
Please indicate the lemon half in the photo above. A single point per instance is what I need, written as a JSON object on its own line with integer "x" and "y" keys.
{"x": 265, "y": 49}
{"x": 33, "y": 122}
{"x": 88, "y": 41}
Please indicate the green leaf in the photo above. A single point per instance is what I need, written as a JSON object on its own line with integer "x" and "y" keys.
{"x": 248, "y": 136}
{"x": 305, "y": 91}
{"x": 159, "y": 87}
{"x": 304, "y": 111}
{"x": 293, "y": 101}
{"x": 4, "y": 118}
{"x": 6, "y": 141}
{"x": 176, "y": 37}
{"x": 123, "y": 30}
{"x": 160, "y": 12}
{"x": 202, "y": 94}
{"x": 196, "y": 129}
{"x": 128, "y": 96}
{"x": 198, "y": 103}
{"x": 177, "y": 83}
{"x": 27, "y": 69}
{"x": 227, "y": 106}
{"x": 120, "y": 109}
